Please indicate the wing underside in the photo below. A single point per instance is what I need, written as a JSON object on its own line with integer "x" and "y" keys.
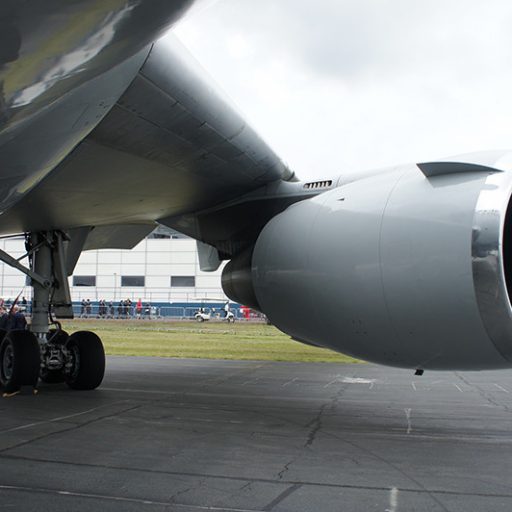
{"x": 172, "y": 144}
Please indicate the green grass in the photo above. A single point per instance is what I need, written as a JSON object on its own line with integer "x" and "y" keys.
{"x": 209, "y": 340}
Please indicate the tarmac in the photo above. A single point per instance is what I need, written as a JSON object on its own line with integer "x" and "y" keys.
{"x": 196, "y": 435}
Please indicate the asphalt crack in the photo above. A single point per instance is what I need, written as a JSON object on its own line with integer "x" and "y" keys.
{"x": 316, "y": 426}
{"x": 285, "y": 469}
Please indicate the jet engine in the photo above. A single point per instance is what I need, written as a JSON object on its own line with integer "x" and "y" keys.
{"x": 408, "y": 267}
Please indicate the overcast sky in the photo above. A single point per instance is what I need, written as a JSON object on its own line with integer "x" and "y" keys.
{"x": 336, "y": 85}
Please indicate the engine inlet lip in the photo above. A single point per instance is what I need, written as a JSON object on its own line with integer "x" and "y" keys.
{"x": 490, "y": 270}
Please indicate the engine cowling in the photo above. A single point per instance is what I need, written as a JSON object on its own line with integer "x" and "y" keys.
{"x": 407, "y": 268}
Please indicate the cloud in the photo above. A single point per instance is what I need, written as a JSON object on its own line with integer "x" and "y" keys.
{"x": 362, "y": 83}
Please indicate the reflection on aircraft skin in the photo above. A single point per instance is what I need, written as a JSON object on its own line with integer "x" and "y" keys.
{"x": 76, "y": 61}
{"x": 47, "y": 49}
{"x": 10, "y": 43}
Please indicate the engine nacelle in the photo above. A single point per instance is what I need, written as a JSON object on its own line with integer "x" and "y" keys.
{"x": 407, "y": 268}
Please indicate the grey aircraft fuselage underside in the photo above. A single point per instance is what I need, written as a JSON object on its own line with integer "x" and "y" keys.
{"x": 101, "y": 125}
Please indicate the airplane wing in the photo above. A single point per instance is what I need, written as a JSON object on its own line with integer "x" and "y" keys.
{"x": 170, "y": 144}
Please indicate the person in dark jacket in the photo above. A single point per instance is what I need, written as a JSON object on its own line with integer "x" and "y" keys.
{"x": 13, "y": 320}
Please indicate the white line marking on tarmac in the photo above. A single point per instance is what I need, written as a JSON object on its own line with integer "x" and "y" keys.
{"x": 121, "y": 499}
{"x": 329, "y": 383}
{"x": 357, "y": 380}
{"x": 147, "y": 391}
{"x": 290, "y": 382}
{"x": 502, "y": 388}
{"x": 350, "y": 380}
{"x": 251, "y": 381}
{"x": 60, "y": 418}
{"x": 458, "y": 387}
{"x": 408, "y": 418}
{"x": 413, "y": 386}
{"x": 393, "y": 500}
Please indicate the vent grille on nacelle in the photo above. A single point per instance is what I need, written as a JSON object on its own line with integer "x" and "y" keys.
{"x": 318, "y": 184}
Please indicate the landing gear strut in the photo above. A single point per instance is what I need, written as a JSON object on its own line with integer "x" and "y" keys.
{"x": 44, "y": 352}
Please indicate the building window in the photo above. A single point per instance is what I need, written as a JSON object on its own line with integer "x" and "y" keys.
{"x": 132, "y": 281}
{"x": 84, "y": 280}
{"x": 183, "y": 281}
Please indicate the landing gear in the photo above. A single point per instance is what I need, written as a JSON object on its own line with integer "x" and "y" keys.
{"x": 50, "y": 354}
{"x": 78, "y": 360}
{"x": 19, "y": 361}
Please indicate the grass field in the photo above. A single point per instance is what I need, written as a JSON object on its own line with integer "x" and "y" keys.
{"x": 249, "y": 341}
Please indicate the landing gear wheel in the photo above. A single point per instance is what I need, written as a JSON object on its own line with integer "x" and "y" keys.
{"x": 87, "y": 358}
{"x": 19, "y": 361}
{"x": 57, "y": 337}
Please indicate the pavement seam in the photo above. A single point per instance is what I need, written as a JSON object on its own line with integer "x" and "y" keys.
{"x": 42, "y": 490}
{"x": 59, "y": 418}
{"x": 69, "y": 429}
{"x": 260, "y": 480}
{"x": 281, "y": 497}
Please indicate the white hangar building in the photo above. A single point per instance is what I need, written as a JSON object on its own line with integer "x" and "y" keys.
{"x": 162, "y": 268}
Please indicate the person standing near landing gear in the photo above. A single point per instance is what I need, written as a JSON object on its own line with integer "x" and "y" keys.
{"x": 13, "y": 320}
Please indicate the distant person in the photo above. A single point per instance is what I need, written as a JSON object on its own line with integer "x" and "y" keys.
{"x": 23, "y": 306}
{"x": 226, "y": 309}
{"x": 138, "y": 308}
{"x": 13, "y": 320}
{"x": 147, "y": 310}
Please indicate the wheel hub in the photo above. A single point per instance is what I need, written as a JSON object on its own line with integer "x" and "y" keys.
{"x": 73, "y": 366}
{"x": 7, "y": 362}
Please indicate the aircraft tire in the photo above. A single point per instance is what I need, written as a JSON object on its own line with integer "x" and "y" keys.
{"x": 20, "y": 360}
{"x": 88, "y": 361}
